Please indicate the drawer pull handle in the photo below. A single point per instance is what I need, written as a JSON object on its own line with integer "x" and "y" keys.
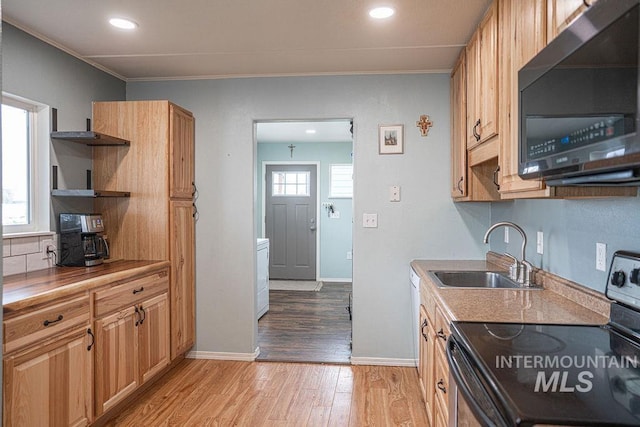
{"x": 48, "y": 322}
{"x": 137, "y": 291}
{"x": 93, "y": 339}
{"x": 441, "y": 334}
{"x": 441, "y": 386}
{"x": 424, "y": 325}
{"x": 144, "y": 315}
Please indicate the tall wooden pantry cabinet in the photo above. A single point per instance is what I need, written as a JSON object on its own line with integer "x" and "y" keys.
{"x": 158, "y": 221}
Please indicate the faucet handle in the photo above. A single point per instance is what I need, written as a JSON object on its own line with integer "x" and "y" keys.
{"x": 513, "y": 268}
{"x": 526, "y": 273}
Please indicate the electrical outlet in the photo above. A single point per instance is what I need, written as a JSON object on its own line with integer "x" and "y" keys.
{"x": 506, "y": 234}
{"x": 394, "y": 193}
{"x": 540, "y": 243}
{"x": 48, "y": 246}
{"x": 334, "y": 215}
{"x": 370, "y": 220}
{"x": 601, "y": 256}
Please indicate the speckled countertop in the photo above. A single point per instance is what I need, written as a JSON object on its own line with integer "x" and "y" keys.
{"x": 509, "y": 305}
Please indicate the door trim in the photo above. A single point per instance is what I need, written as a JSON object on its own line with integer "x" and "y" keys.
{"x": 266, "y": 163}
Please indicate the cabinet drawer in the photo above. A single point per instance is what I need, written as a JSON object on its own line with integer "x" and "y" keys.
{"x": 120, "y": 296}
{"x": 44, "y": 322}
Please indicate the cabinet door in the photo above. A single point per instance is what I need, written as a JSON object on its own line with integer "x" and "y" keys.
{"x": 524, "y": 21}
{"x": 50, "y": 384}
{"x": 182, "y": 149}
{"x": 458, "y": 130}
{"x": 561, "y": 13}
{"x": 426, "y": 366}
{"x": 473, "y": 84}
{"x": 116, "y": 360}
{"x": 153, "y": 335}
{"x": 487, "y": 93}
{"x": 182, "y": 289}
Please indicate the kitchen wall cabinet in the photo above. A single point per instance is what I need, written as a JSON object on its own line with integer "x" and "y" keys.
{"x": 48, "y": 372}
{"x": 459, "y": 129}
{"x": 522, "y": 29}
{"x": 482, "y": 81}
{"x": 132, "y": 342}
{"x": 158, "y": 221}
{"x": 561, "y": 13}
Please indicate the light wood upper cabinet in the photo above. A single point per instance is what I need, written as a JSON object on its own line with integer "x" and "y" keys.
{"x": 523, "y": 35}
{"x": 49, "y": 384}
{"x": 482, "y": 81}
{"x": 181, "y": 162}
{"x": 561, "y": 13}
{"x": 458, "y": 129}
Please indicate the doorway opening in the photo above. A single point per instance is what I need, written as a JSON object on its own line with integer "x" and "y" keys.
{"x": 304, "y": 207}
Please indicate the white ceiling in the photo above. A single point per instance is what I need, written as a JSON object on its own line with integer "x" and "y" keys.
{"x": 238, "y": 38}
{"x": 295, "y": 132}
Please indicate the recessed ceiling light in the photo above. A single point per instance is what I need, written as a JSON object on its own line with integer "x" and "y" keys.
{"x": 123, "y": 24}
{"x": 310, "y": 131}
{"x": 381, "y": 12}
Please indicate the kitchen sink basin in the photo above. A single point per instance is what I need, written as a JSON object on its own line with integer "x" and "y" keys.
{"x": 476, "y": 279}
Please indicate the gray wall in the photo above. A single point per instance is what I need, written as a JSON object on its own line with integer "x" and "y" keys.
{"x": 335, "y": 234}
{"x": 39, "y": 72}
{"x": 571, "y": 229}
{"x": 425, "y": 224}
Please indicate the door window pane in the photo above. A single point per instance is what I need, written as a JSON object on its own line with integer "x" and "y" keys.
{"x": 286, "y": 183}
{"x": 16, "y": 166}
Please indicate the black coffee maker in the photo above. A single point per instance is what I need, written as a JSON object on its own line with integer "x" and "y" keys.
{"x": 81, "y": 241}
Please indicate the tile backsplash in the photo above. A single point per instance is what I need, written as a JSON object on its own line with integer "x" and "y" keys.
{"x": 24, "y": 254}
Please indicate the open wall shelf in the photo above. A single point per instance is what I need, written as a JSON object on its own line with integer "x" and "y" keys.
{"x": 89, "y": 138}
{"x": 89, "y": 193}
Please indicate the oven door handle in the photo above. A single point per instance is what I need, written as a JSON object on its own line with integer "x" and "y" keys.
{"x": 463, "y": 374}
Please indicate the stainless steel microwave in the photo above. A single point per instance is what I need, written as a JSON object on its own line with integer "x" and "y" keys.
{"x": 579, "y": 101}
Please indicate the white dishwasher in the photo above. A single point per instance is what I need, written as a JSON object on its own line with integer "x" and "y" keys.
{"x": 262, "y": 279}
{"x": 414, "y": 285}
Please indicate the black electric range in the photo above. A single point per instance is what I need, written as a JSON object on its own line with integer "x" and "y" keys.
{"x": 535, "y": 374}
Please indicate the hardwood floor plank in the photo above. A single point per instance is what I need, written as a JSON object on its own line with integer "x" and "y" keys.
{"x": 256, "y": 394}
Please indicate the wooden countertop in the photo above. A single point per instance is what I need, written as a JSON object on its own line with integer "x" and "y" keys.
{"x": 508, "y": 305}
{"x": 27, "y": 289}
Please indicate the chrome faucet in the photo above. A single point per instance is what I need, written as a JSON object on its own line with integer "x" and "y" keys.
{"x": 519, "y": 270}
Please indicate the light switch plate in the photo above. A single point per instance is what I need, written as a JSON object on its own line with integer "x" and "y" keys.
{"x": 506, "y": 234}
{"x": 540, "y": 243}
{"x": 601, "y": 256}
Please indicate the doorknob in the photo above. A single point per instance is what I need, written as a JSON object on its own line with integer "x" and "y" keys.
{"x": 312, "y": 224}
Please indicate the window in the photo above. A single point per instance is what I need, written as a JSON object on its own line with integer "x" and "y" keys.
{"x": 25, "y": 198}
{"x": 290, "y": 183}
{"x": 341, "y": 181}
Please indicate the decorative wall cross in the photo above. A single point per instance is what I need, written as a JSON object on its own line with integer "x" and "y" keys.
{"x": 291, "y": 147}
{"x": 424, "y": 124}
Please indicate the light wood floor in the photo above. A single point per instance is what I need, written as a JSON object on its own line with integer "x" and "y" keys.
{"x": 307, "y": 326}
{"x": 228, "y": 393}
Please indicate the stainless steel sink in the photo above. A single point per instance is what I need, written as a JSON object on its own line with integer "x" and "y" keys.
{"x": 476, "y": 279}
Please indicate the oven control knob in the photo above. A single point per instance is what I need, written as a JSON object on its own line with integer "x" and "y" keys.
{"x": 618, "y": 278}
{"x": 635, "y": 276}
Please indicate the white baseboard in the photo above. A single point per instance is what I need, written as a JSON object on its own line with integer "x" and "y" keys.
{"x": 381, "y": 361}
{"x": 338, "y": 280}
{"x": 216, "y": 355}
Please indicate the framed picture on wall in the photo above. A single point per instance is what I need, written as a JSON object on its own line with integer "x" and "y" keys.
{"x": 391, "y": 139}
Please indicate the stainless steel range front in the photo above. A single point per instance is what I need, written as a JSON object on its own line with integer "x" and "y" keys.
{"x": 510, "y": 374}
